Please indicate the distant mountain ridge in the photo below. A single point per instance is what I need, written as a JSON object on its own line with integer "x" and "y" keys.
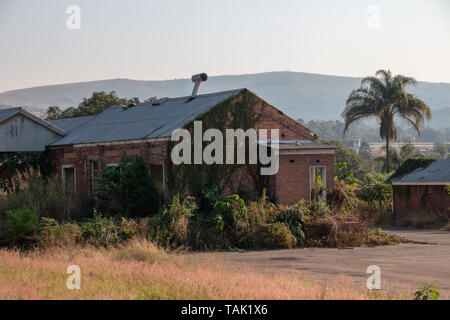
{"x": 300, "y": 95}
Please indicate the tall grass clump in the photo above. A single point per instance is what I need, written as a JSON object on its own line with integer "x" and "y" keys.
{"x": 31, "y": 189}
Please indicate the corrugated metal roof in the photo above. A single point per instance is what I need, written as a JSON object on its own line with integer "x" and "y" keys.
{"x": 5, "y": 114}
{"x": 8, "y": 113}
{"x": 70, "y": 124}
{"x": 146, "y": 120}
{"x": 437, "y": 171}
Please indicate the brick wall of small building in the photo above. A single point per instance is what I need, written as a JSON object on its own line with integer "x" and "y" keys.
{"x": 292, "y": 179}
{"x": 421, "y": 198}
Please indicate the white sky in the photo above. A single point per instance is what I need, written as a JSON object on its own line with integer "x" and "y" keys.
{"x": 166, "y": 39}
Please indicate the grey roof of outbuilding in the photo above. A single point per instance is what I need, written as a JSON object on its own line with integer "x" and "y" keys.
{"x": 6, "y": 114}
{"x": 147, "y": 120}
{"x": 437, "y": 171}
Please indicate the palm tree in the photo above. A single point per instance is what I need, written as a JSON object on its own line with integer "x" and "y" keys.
{"x": 384, "y": 97}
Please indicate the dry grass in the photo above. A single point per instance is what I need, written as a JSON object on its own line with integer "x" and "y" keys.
{"x": 142, "y": 271}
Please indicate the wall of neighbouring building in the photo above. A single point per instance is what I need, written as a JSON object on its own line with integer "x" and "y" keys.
{"x": 19, "y": 133}
{"x": 421, "y": 198}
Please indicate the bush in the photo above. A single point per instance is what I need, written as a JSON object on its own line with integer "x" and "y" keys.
{"x": 100, "y": 231}
{"x": 230, "y": 211}
{"x": 128, "y": 190}
{"x": 321, "y": 231}
{"x": 268, "y": 236}
{"x": 170, "y": 228}
{"x": 53, "y": 234}
{"x": 295, "y": 217}
{"x": 373, "y": 188}
{"x": 21, "y": 227}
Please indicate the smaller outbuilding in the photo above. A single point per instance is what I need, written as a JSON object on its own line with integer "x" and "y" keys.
{"x": 22, "y": 131}
{"x": 421, "y": 185}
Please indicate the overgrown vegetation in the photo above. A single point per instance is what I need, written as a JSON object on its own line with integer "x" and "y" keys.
{"x": 128, "y": 190}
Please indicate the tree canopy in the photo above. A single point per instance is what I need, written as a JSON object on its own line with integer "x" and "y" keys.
{"x": 97, "y": 103}
{"x": 384, "y": 97}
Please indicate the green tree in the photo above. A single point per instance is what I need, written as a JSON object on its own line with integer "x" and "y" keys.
{"x": 97, "y": 103}
{"x": 384, "y": 97}
{"x": 355, "y": 163}
{"x": 53, "y": 113}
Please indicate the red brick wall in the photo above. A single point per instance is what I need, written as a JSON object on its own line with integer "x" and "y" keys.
{"x": 153, "y": 154}
{"x": 272, "y": 118}
{"x": 292, "y": 180}
{"x": 419, "y": 198}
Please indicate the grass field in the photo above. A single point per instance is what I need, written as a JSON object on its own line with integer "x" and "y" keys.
{"x": 140, "y": 270}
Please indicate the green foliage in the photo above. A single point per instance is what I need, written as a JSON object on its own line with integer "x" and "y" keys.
{"x": 384, "y": 97}
{"x": 295, "y": 217}
{"x": 170, "y": 228}
{"x": 21, "y": 226}
{"x": 100, "y": 231}
{"x": 342, "y": 173}
{"x": 355, "y": 164}
{"x": 373, "y": 188}
{"x": 230, "y": 210}
{"x": 128, "y": 190}
{"x": 99, "y": 102}
{"x": 427, "y": 291}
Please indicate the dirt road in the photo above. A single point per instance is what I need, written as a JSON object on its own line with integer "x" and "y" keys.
{"x": 406, "y": 264}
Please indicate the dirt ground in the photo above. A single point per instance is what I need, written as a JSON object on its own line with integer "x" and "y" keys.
{"x": 404, "y": 265}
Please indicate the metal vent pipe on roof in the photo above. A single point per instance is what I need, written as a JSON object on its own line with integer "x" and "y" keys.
{"x": 197, "y": 79}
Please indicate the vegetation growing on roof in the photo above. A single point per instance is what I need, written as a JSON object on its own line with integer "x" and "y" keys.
{"x": 410, "y": 165}
{"x": 237, "y": 112}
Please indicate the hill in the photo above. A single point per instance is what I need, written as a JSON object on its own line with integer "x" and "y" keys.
{"x": 300, "y": 95}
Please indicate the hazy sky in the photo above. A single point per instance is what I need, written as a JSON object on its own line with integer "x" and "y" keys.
{"x": 166, "y": 39}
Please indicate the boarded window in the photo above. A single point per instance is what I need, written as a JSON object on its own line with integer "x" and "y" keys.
{"x": 69, "y": 178}
{"x": 95, "y": 170}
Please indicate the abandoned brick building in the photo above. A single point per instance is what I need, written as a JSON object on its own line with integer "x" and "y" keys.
{"x": 85, "y": 145}
{"x": 424, "y": 189}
